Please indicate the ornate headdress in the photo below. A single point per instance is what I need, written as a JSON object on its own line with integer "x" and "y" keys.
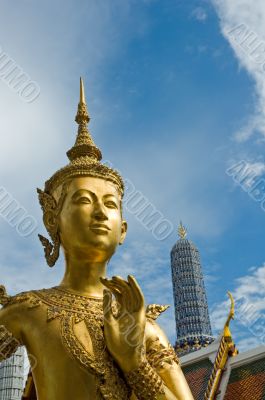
{"x": 85, "y": 159}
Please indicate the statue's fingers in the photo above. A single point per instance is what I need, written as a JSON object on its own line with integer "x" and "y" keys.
{"x": 125, "y": 288}
{"x": 107, "y": 306}
{"x": 137, "y": 291}
{"x": 117, "y": 293}
{"x": 126, "y": 300}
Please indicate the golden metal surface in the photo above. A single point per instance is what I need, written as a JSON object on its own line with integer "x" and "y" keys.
{"x": 226, "y": 349}
{"x": 182, "y": 231}
{"x": 89, "y": 333}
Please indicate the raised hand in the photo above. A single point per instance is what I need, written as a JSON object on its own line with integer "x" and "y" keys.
{"x": 124, "y": 328}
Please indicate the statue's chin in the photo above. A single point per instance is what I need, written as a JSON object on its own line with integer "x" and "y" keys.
{"x": 98, "y": 251}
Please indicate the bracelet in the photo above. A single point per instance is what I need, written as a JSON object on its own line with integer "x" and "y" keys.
{"x": 8, "y": 344}
{"x": 145, "y": 382}
{"x": 159, "y": 356}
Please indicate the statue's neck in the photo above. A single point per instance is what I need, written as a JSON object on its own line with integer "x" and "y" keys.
{"x": 83, "y": 277}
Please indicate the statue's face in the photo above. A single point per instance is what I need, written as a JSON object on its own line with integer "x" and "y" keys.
{"x": 90, "y": 223}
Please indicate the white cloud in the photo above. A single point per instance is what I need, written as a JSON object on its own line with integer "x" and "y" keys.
{"x": 153, "y": 272}
{"x": 247, "y": 344}
{"x": 257, "y": 167}
{"x": 249, "y": 325}
{"x": 23, "y": 266}
{"x": 250, "y": 16}
{"x": 245, "y": 173}
{"x": 35, "y": 137}
{"x": 199, "y": 14}
{"x": 151, "y": 268}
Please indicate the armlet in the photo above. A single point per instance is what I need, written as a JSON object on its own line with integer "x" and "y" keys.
{"x": 145, "y": 382}
{"x": 8, "y": 343}
{"x": 159, "y": 355}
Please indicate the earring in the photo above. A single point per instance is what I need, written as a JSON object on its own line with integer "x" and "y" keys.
{"x": 51, "y": 250}
{"x": 49, "y": 204}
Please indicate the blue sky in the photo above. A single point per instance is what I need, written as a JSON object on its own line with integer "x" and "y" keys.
{"x": 175, "y": 101}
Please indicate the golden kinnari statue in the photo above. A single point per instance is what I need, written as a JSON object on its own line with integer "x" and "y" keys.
{"x": 89, "y": 338}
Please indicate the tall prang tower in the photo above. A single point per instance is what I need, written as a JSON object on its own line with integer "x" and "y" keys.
{"x": 191, "y": 307}
{"x": 12, "y": 376}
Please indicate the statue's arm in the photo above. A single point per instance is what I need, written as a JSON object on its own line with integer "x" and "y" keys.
{"x": 132, "y": 337}
{"x": 161, "y": 355}
{"x": 164, "y": 363}
{"x": 10, "y": 330}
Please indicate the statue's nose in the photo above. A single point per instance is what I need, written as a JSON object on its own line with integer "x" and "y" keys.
{"x": 99, "y": 212}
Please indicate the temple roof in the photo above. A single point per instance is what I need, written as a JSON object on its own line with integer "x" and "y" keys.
{"x": 246, "y": 376}
{"x": 243, "y": 377}
{"x": 198, "y": 375}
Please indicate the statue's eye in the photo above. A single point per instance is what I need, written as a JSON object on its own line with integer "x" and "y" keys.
{"x": 84, "y": 200}
{"x": 111, "y": 204}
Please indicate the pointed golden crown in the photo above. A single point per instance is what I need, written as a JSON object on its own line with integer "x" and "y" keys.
{"x": 84, "y": 156}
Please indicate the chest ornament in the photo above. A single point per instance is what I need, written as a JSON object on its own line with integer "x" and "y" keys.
{"x": 71, "y": 309}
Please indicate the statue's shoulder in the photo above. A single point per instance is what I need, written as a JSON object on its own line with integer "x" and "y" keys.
{"x": 28, "y": 297}
{"x": 153, "y": 330}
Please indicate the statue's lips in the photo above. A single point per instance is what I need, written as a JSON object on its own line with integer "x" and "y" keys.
{"x": 99, "y": 228}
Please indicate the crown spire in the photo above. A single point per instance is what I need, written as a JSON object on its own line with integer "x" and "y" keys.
{"x": 182, "y": 231}
{"x": 84, "y": 156}
{"x": 82, "y": 92}
{"x": 84, "y": 144}
{"x": 82, "y": 116}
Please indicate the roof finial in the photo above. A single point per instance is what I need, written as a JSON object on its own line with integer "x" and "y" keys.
{"x": 231, "y": 315}
{"x": 227, "y": 348}
{"x": 182, "y": 231}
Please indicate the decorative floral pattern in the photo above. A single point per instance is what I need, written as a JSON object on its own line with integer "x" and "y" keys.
{"x": 71, "y": 309}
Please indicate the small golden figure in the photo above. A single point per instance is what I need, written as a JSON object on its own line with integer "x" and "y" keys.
{"x": 90, "y": 338}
